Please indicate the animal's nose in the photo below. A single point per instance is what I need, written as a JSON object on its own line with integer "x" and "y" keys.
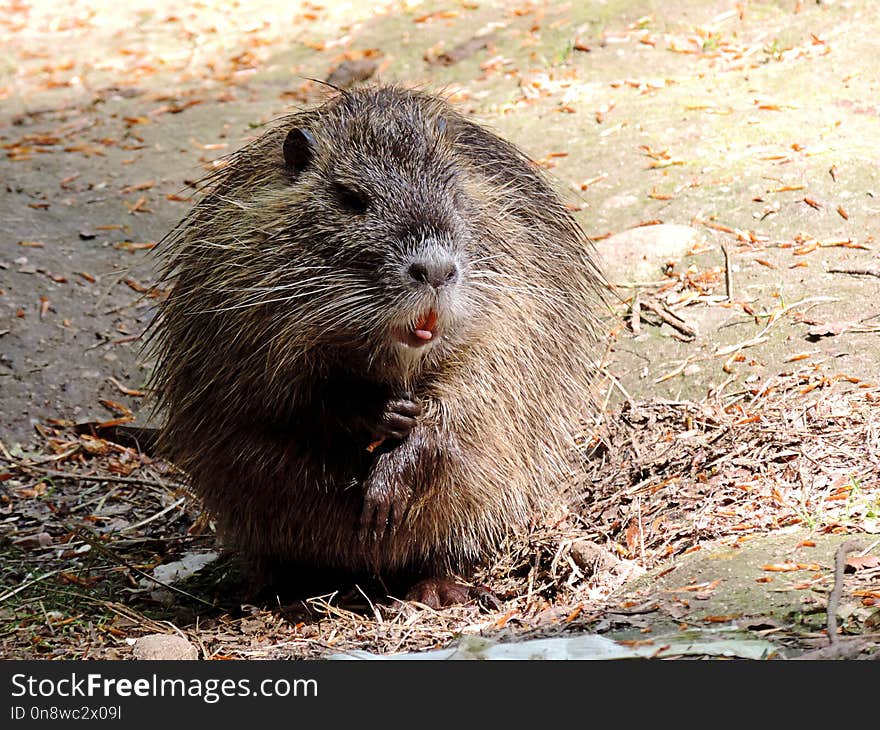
{"x": 435, "y": 270}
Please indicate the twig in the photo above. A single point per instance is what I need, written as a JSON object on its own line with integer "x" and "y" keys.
{"x": 641, "y": 530}
{"x": 856, "y": 272}
{"x": 86, "y": 477}
{"x": 19, "y": 118}
{"x": 635, "y": 320}
{"x": 98, "y": 547}
{"x": 728, "y": 274}
{"x": 156, "y": 516}
{"x": 677, "y": 371}
{"x": 4, "y": 453}
{"x": 28, "y": 584}
{"x": 670, "y": 318}
{"x": 834, "y": 597}
{"x": 617, "y": 384}
{"x": 120, "y": 609}
{"x": 774, "y": 318}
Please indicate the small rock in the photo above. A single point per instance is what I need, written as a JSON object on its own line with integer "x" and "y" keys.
{"x": 184, "y": 568}
{"x": 349, "y": 73}
{"x": 615, "y": 202}
{"x": 592, "y": 558}
{"x": 639, "y": 254}
{"x": 463, "y": 50}
{"x": 39, "y": 540}
{"x": 164, "y": 646}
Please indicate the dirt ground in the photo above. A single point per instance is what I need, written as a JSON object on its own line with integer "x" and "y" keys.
{"x": 723, "y": 157}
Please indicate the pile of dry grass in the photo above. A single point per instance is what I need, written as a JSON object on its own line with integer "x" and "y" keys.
{"x": 84, "y": 521}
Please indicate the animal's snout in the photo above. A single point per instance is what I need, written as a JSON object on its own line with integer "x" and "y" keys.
{"x": 436, "y": 270}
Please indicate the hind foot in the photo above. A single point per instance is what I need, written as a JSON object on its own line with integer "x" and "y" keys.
{"x": 439, "y": 593}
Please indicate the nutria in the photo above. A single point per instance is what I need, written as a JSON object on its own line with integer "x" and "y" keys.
{"x": 378, "y": 341}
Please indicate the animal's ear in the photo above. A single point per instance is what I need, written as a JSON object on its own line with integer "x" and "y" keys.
{"x": 448, "y": 127}
{"x": 299, "y": 148}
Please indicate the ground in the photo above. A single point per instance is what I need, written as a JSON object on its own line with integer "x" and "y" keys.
{"x": 721, "y": 155}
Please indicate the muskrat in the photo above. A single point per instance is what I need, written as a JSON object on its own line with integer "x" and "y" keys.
{"x": 379, "y": 339}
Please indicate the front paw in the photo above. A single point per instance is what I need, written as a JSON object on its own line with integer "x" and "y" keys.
{"x": 397, "y": 419}
{"x": 386, "y": 501}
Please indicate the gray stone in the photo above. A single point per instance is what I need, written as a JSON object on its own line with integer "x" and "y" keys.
{"x": 164, "y": 646}
{"x": 639, "y": 254}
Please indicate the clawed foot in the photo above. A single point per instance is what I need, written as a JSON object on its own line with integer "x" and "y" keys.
{"x": 387, "y": 490}
{"x": 397, "y": 419}
{"x": 386, "y": 501}
{"x": 439, "y": 593}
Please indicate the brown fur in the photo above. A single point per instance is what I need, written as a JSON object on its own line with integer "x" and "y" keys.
{"x": 279, "y": 323}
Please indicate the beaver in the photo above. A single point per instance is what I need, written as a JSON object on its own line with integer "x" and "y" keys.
{"x": 378, "y": 340}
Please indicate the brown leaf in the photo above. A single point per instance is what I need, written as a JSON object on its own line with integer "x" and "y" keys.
{"x": 94, "y": 446}
{"x": 127, "y": 391}
{"x": 115, "y": 422}
{"x": 132, "y": 246}
{"x": 138, "y": 186}
{"x": 693, "y": 587}
{"x": 858, "y": 562}
{"x": 136, "y": 286}
{"x": 461, "y": 51}
{"x": 830, "y": 329}
{"x": 138, "y": 205}
{"x": 633, "y": 537}
{"x": 117, "y": 408}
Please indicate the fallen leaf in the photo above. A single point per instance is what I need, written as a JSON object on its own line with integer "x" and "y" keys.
{"x": 117, "y": 408}
{"x": 127, "y": 391}
{"x": 722, "y": 619}
{"x": 707, "y": 586}
{"x": 858, "y": 562}
{"x": 830, "y": 329}
{"x": 138, "y": 186}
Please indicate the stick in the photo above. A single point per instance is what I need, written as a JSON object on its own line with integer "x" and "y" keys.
{"x": 82, "y": 477}
{"x": 107, "y": 552}
{"x": 834, "y": 597}
{"x": 856, "y": 272}
{"x": 728, "y": 274}
{"x": 635, "y": 321}
{"x": 28, "y": 584}
{"x": 670, "y": 318}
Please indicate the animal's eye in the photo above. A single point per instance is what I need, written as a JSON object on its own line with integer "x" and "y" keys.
{"x": 352, "y": 200}
{"x": 299, "y": 148}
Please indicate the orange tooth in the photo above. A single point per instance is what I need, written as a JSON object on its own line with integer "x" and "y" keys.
{"x": 427, "y": 321}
